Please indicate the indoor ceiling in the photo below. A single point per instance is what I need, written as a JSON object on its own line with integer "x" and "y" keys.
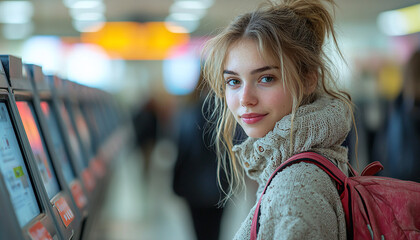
{"x": 51, "y": 17}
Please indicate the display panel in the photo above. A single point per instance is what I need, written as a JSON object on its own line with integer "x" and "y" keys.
{"x": 83, "y": 129}
{"x": 14, "y": 171}
{"x": 42, "y": 159}
{"x": 101, "y": 122}
{"x": 89, "y": 113}
{"x": 57, "y": 139}
{"x": 72, "y": 135}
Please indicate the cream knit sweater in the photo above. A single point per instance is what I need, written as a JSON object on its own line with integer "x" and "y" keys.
{"x": 302, "y": 201}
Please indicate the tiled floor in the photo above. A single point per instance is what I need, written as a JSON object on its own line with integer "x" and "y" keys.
{"x": 135, "y": 209}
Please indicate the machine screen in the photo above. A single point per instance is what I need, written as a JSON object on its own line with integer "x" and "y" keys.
{"x": 57, "y": 139}
{"x": 14, "y": 171}
{"x": 38, "y": 148}
{"x": 89, "y": 112}
{"x": 83, "y": 129}
{"x": 72, "y": 135}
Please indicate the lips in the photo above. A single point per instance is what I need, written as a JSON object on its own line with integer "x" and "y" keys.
{"x": 251, "y": 118}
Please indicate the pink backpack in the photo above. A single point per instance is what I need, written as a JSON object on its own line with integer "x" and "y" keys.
{"x": 375, "y": 207}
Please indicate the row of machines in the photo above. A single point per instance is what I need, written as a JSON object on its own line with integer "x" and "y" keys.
{"x": 58, "y": 142}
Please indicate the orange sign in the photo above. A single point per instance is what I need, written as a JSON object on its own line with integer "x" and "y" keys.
{"x": 98, "y": 167}
{"x": 78, "y": 195}
{"x": 136, "y": 41}
{"x": 88, "y": 179}
{"x": 39, "y": 232}
{"x": 64, "y": 210}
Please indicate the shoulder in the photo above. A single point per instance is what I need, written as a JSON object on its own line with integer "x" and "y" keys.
{"x": 303, "y": 181}
{"x": 302, "y": 201}
{"x": 305, "y": 173}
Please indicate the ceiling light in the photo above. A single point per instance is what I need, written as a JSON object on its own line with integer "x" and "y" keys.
{"x": 46, "y": 51}
{"x": 98, "y": 9}
{"x": 80, "y": 67}
{"x": 183, "y": 17}
{"x": 189, "y": 5}
{"x": 16, "y": 11}
{"x": 392, "y": 23}
{"x": 401, "y": 21}
{"x": 88, "y": 26}
{"x": 89, "y": 16}
{"x": 193, "y": 10}
{"x": 204, "y": 3}
{"x": 88, "y": 5}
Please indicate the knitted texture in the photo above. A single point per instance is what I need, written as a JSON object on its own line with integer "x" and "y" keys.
{"x": 301, "y": 201}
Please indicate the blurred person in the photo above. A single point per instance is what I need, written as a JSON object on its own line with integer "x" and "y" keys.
{"x": 397, "y": 146}
{"x": 269, "y": 74}
{"x": 145, "y": 123}
{"x": 370, "y": 115}
{"x": 195, "y": 171}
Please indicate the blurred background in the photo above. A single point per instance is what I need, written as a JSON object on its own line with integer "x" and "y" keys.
{"x": 147, "y": 53}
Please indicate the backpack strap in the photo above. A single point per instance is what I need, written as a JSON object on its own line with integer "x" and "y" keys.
{"x": 310, "y": 157}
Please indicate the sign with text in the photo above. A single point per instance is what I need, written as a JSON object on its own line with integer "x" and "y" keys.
{"x": 39, "y": 232}
{"x": 64, "y": 210}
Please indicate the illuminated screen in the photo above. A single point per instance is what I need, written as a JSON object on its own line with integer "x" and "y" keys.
{"x": 83, "y": 129}
{"x": 57, "y": 139}
{"x": 38, "y": 148}
{"x": 14, "y": 171}
{"x": 72, "y": 135}
{"x": 90, "y": 116}
{"x": 98, "y": 113}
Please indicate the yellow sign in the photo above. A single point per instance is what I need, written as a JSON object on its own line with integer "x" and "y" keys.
{"x": 18, "y": 172}
{"x": 412, "y": 18}
{"x": 136, "y": 41}
{"x": 390, "y": 80}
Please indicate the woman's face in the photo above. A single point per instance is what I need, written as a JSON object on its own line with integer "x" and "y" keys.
{"x": 254, "y": 89}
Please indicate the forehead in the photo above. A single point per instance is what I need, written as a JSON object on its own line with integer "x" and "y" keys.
{"x": 245, "y": 53}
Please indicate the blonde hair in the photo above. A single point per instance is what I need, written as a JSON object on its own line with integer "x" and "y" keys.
{"x": 293, "y": 34}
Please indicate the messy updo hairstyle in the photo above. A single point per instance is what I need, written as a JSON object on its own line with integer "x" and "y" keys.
{"x": 292, "y": 33}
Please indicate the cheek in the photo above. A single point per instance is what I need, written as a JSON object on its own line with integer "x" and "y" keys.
{"x": 280, "y": 101}
{"x": 231, "y": 101}
{"x": 274, "y": 101}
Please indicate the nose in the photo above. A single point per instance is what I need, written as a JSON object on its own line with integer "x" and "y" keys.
{"x": 248, "y": 96}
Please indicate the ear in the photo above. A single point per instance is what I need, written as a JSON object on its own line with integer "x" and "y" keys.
{"x": 311, "y": 82}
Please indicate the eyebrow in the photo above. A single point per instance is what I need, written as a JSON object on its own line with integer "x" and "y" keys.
{"x": 258, "y": 70}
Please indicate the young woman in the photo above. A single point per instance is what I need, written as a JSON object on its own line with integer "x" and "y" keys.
{"x": 269, "y": 73}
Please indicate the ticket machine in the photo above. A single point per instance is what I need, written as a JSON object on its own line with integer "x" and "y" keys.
{"x": 90, "y": 106}
{"x": 60, "y": 98}
{"x": 23, "y": 196}
{"x": 71, "y": 168}
{"x": 85, "y": 127}
{"x": 43, "y": 155}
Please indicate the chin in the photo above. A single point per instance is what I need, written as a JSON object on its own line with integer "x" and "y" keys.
{"x": 255, "y": 134}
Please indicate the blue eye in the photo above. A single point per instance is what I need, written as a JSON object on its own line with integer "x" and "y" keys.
{"x": 267, "y": 79}
{"x": 232, "y": 82}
